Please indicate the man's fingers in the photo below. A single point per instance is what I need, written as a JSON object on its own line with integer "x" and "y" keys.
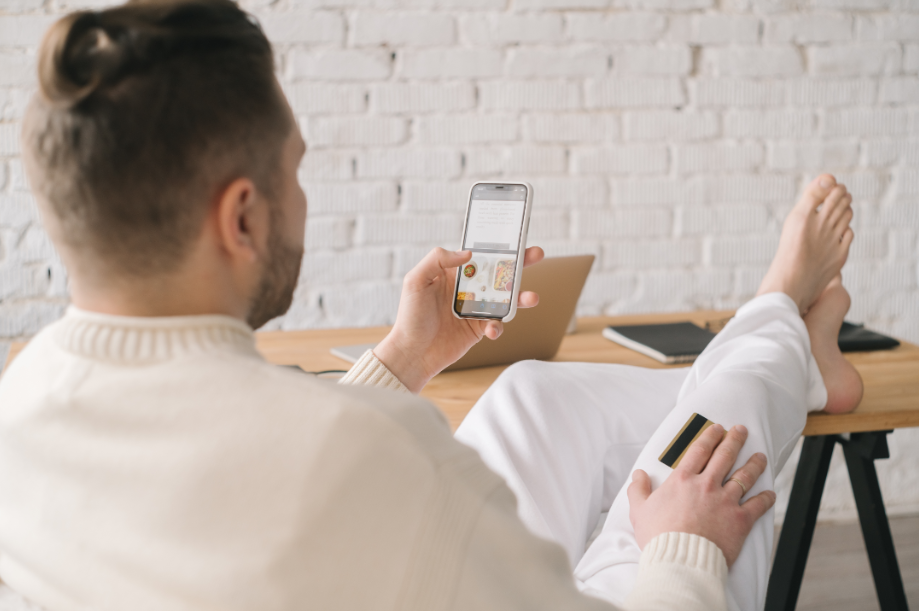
{"x": 759, "y": 505}
{"x": 494, "y": 329}
{"x": 726, "y": 453}
{"x": 701, "y": 449}
{"x": 527, "y": 299}
{"x": 746, "y": 475}
{"x": 533, "y": 255}
{"x": 639, "y": 490}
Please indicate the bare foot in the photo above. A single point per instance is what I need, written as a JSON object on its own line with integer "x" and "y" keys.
{"x": 814, "y": 244}
{"x": 844, "y": 386}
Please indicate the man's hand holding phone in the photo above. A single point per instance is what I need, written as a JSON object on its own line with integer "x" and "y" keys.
{"x": 427, "y": 337}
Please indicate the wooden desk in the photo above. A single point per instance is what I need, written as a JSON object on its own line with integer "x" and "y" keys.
{"x": 891, "y": 401}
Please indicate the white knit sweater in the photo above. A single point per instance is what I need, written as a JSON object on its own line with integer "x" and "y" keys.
{"x": 162, "y": 463}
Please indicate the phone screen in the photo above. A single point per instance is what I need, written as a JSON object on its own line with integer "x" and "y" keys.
{"x": 494, "y": 228}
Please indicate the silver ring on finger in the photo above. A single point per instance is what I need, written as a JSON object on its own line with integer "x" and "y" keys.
{"x": 739, "y": 483}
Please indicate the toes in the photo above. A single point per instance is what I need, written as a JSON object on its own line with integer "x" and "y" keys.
{"x": 842, "y": 220}
{"x": 817, "y": 191}
{"x": 834, "y": 201}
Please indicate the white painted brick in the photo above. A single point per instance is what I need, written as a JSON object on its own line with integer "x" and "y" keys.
{"x": 447, "y": 63}
{"x": 407, "y": 257}
{"x": 672, "y": 5}
{"x": 27, "y": 317}
{"x": 484, "y": 161}
{"x": 547, "y": 225}
{"x": 725, "y": 157}
{"x": 18, "y": 69}
{"x": 570, "y": 249}
{"x": 635, "y": 222}
{"x": 466, "y": 5}
{"x": 435, "y": 196}
{"x": 3, "y": 176}
{"x": 465, "y": 128}
{"x": 13, "y": 102}
{"x": 557, "y": 62}
{"x": 526, "y": 159}
{"x": 652, "y": 191}
{"x": 502, "y": 29}
{"x": 616, "y": 27}
{"x": 728, "y": 219}
{"x": 355, "y": 131}
{"x": 571, "y": 127}
{"x": 605, "y": 287}
{"x": 854, "y": 59}
{"x": 621, "y": 159}
{"x": 809, "y": 28}
{"x": 719, "y": 29}
{"x": 855, "y": 5}
{"x": 748, "y": 279}
{"x": 744, "y": 61}
{"x": 670, "y": 125}
{"x": 640, "y": 92}
{"x": 769, "y": 123}
{"x": 748, "y": 188}
{"x": 745, "y": 250}
{"x": 397, "y": 229}
{"x": 901, "y": 215}
{"x": 862, "y": 185}
{"x": 573, "y": 192}
{"x": 361, "y": 305}
{"x": 326, "y": 165}
{"x": 660, "y": 291}
{"x": 312, "y": 97}
{"x": 668, "y": 60}
{"x": 409, "y": 163}
{"x": 17, "y": 180}
{"x": 340, "y": 64}
{"x": 94, "y": 5}
{"x": 528, "y": 5}
{"x": 421, "y": 97}
{"x": 323, "y": 233}
{"x": 323, "y": 268}
{"x": 529, "y": 95}
{"x": 902, "y": 90}
{"x": 290, "y": 27}
{"x": 906, "y": 181}
{"x": 9, "y": 139}
{"x": 911, "y": 58}
{"x": 890, "y": 26}
{"x": 648, "y": 254}
{"x": 402, "y": 28}
{"x": 865, "y": 122}
{"x": 732, "y": 93}
{"x": 351, "y": 197}
{"x": 870, "y": 245}
{"x": 20, "y": 6}
{"x": 824, "y": 156}
{"x": 882, "y": 153}
{"x": 24, "y": 30}
{"x": 831, "y": 92}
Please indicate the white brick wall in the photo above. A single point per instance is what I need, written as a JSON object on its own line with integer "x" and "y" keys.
{"x": 668, "y": 137}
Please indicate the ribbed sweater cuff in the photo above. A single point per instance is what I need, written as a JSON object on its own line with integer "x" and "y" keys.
{"x": 680, "y": 571}
{"x": 370, "y": 371}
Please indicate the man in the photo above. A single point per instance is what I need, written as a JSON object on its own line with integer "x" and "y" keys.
{"x": 151, "y": 459}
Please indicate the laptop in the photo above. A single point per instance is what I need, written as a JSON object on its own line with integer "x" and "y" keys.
{"x": 535, "y": 333}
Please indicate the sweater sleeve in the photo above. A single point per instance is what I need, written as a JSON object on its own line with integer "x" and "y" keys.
{"x": 370, "y": 371}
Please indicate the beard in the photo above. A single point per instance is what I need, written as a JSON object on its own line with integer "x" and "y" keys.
{"x": 279, "y": 278}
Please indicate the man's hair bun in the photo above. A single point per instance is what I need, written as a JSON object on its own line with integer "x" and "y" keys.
{"x": 79, "y": 56}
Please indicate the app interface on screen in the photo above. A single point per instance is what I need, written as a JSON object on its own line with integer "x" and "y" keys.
{"x": 493, "y": 235}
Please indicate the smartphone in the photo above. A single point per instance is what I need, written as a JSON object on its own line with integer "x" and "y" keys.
{"x": 495, "y": 230}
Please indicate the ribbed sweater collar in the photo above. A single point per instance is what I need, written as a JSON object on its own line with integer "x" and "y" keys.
{"x": 135, "y": 339}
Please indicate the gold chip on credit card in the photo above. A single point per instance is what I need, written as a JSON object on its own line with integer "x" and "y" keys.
{"x": 691, "y": 431}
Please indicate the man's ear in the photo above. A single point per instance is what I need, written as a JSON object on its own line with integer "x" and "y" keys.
{"x": 242, "y": 224}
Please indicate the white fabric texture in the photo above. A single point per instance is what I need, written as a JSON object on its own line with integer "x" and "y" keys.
{"x": 162, "y": 463}
{"x": 567, "y": 436}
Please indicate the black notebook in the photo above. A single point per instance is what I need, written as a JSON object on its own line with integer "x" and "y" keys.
{"x": 675, "y": 342}
{"x": 682, "y": 342}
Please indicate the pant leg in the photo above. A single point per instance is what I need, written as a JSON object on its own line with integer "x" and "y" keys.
{"x": 758, "y": 372}
{"x": 565, "y": 435}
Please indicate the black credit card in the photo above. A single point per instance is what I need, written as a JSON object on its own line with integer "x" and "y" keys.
{"x": 691, "y": 431}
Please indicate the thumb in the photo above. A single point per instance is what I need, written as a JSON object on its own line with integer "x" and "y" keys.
{"x": 639, "y": 490}
{"x": 435, "y": 262}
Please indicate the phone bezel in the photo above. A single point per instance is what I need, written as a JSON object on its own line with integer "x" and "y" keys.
{"x": 521, "y": 250}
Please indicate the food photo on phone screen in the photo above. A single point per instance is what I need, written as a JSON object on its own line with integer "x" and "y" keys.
{"x": 493, "y": 231}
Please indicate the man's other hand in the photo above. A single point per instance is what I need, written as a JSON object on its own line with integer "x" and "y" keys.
{"x": 697, "y": 499}
{"x": 427, "y": 337}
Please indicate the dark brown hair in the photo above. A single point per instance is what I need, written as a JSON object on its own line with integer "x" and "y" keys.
{"x": 144, "y": 112}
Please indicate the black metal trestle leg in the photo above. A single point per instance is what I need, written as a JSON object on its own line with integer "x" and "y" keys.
{"x": 861, "y": 451}
{"x": 800, "y": 521}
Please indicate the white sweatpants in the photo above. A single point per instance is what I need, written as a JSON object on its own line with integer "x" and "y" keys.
{"x": 567, "y": 436}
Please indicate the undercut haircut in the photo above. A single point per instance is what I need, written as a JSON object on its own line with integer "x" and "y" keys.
{"x": 145, "y": 112}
